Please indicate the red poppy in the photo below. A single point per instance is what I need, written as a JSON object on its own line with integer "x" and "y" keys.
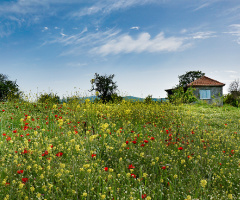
{"x": 59, "y": 154}
{"x": 4, "y": 134}
{"x": 127, "y": 142}
{"x": 134, "y": 142}
{"x": 3, "y": 110}
{"x": 8, "y": 139}
{"x": 142, "y": 145}
{"x": 133, "y": 175}
{"x": 15, "y": 131}
{"x": 163, "y": 167}
{"x": 106, "y": 168}
{"x": 21, "y": 135}
{"x": 20, "y": 171}
{"x": 7, "y": 183}
{"x": 180, "y": 148}
{"x": 131, "y": 167}
{"x": 145, "y": 141}
{"x": 94, "y": 155}
{"x": 24, "y": 180}
{"x": 152, "y": 138}
{"x": 144, "y": 196}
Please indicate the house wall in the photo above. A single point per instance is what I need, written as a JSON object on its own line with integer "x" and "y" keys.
{"x": 217, "y": 92}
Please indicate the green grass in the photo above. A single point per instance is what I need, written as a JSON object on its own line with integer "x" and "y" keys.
{"x": 87, "y": 151}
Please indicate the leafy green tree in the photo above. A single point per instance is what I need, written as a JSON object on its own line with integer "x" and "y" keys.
{"x": 233, "y": 97}
{"x": 148, "y": 99}
{"x": 104, "y": 86}
{"x": 49, "y": 98}
{"x": 180, "y": 96}
{"x": 189, "y": 77}
{"x": 8, "y": 89}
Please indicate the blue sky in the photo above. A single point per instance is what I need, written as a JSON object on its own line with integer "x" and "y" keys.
{"x": 58, "y": 45}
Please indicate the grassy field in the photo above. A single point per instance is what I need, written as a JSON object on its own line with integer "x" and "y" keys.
{"x": 119, "y": 151}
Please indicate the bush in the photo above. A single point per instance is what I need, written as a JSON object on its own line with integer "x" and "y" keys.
{"x": 148, "y": 99}
{"x": 49, "y": 98}
{"x": 232, "y": 99}
{"x": 180, "y": 96}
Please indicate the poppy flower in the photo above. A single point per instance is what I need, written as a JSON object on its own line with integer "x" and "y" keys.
{"x": 146, "y": 141}
{"x": 94, "y": 155}
{"x": 163, "y": 167}
{"x": 180, "y": 148}
{"x": 133, "y": 175}
{"x": 59, "y": 154}
{"x": 20, "y": 171}
{"x": 106, "y": 168}
{"x": 134, "y": 142}
{"x": 142, "y": 145}
{"x": 152, "y": 138}
{"x": 131, "y": 167}
{"x": 144, "y": 196}
{"x": 127, "y": 142}
{"x": 24, "y": 180}
{"x": 4, "y": 134}
{"x": 8, "y": 139}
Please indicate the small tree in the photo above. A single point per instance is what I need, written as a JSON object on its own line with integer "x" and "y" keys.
{"x": 49, "y": 98}
{"x": 148, "y": 99}
{"x": 104, "y": 87}
{"x": 189, "y": 77}
{"x": 233, "y": 98}
{"x": 179, "y": 96}
{"x": 8, "y": 89}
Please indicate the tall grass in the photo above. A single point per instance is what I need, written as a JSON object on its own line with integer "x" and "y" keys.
{"x": 119, "y": 151}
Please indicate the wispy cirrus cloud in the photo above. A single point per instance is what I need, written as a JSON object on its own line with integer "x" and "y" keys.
{"x": 235, "y": 31}
{"x": 107, "y": 6}
{"x": 203, "y": 35}
{"x": 113, "y": 42}
{"x": 143, "y": 43}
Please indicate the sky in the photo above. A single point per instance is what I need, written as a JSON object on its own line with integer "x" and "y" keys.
{"x": 58, "y": 45}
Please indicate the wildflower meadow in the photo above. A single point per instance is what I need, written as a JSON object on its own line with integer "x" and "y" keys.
{"x": 130, "y": 150}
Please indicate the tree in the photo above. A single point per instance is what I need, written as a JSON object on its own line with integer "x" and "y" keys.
{"x": 49, "y": 98}
{"x": 233, "y": 98}
{"x": 104, "y": 87}
{"x": 189, "y": 77}
{"x": 234, "y": 87}
{"x": 8, "y": 89}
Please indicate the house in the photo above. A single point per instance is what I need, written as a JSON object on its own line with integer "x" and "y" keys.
{"x": 206, "y": 89}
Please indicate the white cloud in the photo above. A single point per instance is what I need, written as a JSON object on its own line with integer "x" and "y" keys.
{"x": 107, "y": 6}
{"x": 144, "y": 43}
{"x": 135, "y": 28}
{"x": 45, "y": 29}
{"x": 203, "y": 35}
{"x": 235, "y": 31}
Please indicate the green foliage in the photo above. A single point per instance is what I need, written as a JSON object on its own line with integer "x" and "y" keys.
{"x": 49, "y": 98}
{"x": 180, "y": 96}
{"x": 104, "y": 87}
{"x": 148, "y": 99}
{"x": 189, "y": 77}
{"x": 116, "y": 98}
{"x": 8, "y": 89}
{"x": 232, "y": 99}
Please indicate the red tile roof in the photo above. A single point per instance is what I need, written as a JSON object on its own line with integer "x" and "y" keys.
{"x": 205, "y": 81}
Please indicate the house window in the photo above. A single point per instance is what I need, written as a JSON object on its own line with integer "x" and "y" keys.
{"x": 205, "y": 94}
